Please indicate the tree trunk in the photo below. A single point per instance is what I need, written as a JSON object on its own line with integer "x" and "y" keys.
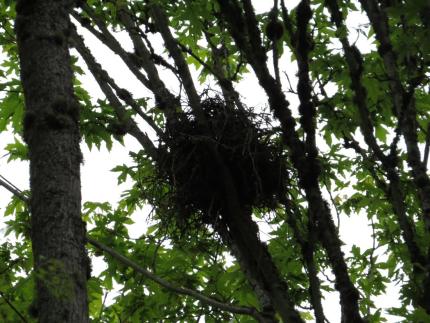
{"x": 258, "y": 264}
{"x": 241, "y": 234}
{"x": 267, "y": 309}
{"x": 51, "y": 131}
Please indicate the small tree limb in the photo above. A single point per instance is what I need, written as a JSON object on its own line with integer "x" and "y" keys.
{"x": 12, "y": 188}
{"x": 105, "y": 84}
{"x": 179, "y": 290}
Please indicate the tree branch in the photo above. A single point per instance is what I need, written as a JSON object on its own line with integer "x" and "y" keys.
{"x": 307, "y": 247}
{"x": 307, "y": 119}
{"x": 110, "y": 41}
{"x": 225, "y": 83}
{"x": 104, "y": 80}
{"x": 166, "y": 101}
{"x": 404, "y": 105}
{"x": 145, "y": 58}
{"x": 179, "y": 290}
{"x": 308, "y": 172}
{"x": 288, "y": 25}
{"x": 355, "y": 64}
{"x": 9, "y": 303}
{"x": 393, "y": 192}
{"x": 162, "y": 25}
{"x": 12, "y": 188}
{"x": 304, "y": 90}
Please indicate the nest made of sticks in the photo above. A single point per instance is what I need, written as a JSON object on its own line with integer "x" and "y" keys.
{"x": 193, "y": 175}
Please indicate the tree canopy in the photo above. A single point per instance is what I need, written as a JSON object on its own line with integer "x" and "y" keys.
{"x": 247, "y": 198}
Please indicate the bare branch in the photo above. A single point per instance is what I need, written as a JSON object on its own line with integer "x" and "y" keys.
{"x": 166, "y": 101}
{"x": 12, "y": 188}
{"x": 110, "y": 41}
{"x": 162, "y": 25}
{"x": 145, "y": 58}
{"x": 104, "y": 82}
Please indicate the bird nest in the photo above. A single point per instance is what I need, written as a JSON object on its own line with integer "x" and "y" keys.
{"x": 197, "y": 156}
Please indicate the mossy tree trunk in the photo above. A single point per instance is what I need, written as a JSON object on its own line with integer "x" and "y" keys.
{"x": 51, "y": 131}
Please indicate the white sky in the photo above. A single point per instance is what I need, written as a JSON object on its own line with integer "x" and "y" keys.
{"x": 99, "y": 184}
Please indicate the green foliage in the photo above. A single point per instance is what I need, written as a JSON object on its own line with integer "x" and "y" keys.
{"x": 355, "y": 181}
{"x": 16, "y": 264}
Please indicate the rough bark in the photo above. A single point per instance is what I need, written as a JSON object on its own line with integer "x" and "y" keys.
{"x": 52, "y": 133}
{"x": 403, "y": 99}
{"x": 303, "y": 157}
{"x": 242, "y": 237}
{"x": 266, "y": 305}
{"x": 404, "y": 104}
{"x": 389, "y": 162}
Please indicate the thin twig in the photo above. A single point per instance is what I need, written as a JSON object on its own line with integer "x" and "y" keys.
{"x": 103, "y": 304}
{"x": 13, "y": 307}
{"x": 334, "y": 204}
{"x": 427, "y": 147}
{"x": 13, "y": 189}
{"x": 291, "y": 90}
